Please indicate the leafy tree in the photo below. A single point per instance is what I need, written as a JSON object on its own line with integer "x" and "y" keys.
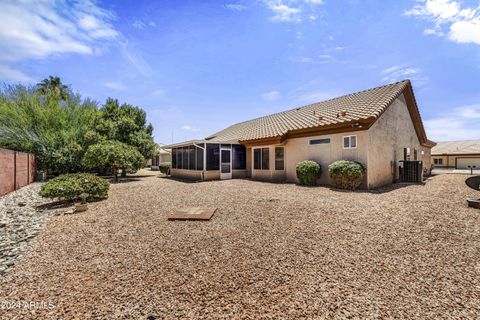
{"x": 127, "y": 124}
{"x": 55, "y": 132}
{"x": 113, "y": 155}
{"x": 53, "y": 86}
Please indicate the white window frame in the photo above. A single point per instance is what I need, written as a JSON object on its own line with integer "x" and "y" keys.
{"x": 350, "y": 142}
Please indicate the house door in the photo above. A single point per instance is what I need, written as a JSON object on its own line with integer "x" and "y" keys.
{"x": 225, "y": 164}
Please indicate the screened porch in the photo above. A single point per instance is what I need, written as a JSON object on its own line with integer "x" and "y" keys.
{"x": 201, "y": 160}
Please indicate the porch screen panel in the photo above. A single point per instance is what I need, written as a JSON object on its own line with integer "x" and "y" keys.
{"x": 192, "y": 163}
{"x": 213, "y": 156}
{"x": 185, "y": 158}
{"x": 239, "y": 157}
{"x": 199, "y": 153}
{"x": 174, "y": 158}
{"x": 180, "y": 158}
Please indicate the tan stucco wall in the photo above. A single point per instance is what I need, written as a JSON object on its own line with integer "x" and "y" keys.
{"x": 299, "y": 149}
{"x": 392, "y": 132}
{"x": 379, "y": 148}
{"x": 267, "y": 175}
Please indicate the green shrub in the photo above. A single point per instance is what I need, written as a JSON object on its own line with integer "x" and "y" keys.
{"x": 165, "y": 167}
{"x": 71, "y": 186}
{"x": 115, "y": 156}
{"x": 346, "y": 174}
{"x": 308, "y": 172}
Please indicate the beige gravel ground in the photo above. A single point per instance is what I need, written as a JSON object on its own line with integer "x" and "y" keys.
{"x": 270, "y": 251}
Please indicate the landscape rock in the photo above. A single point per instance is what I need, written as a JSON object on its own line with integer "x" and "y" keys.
{"x": 400, "y": 252}
{"x": 20, "y": 222}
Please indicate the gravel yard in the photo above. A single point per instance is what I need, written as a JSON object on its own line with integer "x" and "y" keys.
{"x": 270, "y": 251}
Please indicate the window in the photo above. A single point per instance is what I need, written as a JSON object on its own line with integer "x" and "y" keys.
{"x": 438, "y": 162}
{"x": 265, "y": 159}
{"x": 261, "y": 158}
{"x": 239, "y": 157}
{"x": 279, "y": 158}
{"x": 257, "y": 159}
{"x": 415, "y": 154}
{"x": 320, "y": 141}
{"x": 349, "y": 142}
{"x": 213, "y": 156}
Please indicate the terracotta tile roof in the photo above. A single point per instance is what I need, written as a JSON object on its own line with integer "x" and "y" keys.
{"x": 368, "y": 104}
{"x": 457, "y": 147}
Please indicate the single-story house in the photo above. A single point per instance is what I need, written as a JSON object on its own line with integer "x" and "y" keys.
{"x": 162, "y": 155}
{"x": 456, "y": 154}
{"x": 378, "y": 127}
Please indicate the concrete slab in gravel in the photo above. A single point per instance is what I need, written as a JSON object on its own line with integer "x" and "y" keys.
{"x": 192, "y": 214}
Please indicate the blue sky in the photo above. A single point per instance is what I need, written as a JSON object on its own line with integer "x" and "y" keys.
{"x": 199, "y": 66}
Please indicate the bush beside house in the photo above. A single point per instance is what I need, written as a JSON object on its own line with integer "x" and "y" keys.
{"x": 72, "y": 186}
{"x": 308, "y": 172}
{"x": 346, "y": 174}
{"x": 165, "y": 167}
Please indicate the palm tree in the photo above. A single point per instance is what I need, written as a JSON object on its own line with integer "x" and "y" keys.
{"x": 53, "y": 85}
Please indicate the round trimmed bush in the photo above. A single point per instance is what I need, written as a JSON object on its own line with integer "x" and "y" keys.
{"x": 164, "y": 167}
{"x": 71, "y": 186}
{"x": 308, "y": 172}
{"x": 346, "y": 174}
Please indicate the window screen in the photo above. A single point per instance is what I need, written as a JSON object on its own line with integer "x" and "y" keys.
{"x": 213, "y": 156}
{"x": 320, "y": 141}
{"x": 279, "y": 158}
{"x": 257, "y": 159}
{"x": 239, "y": 157}
{"x": 265, "y": 159}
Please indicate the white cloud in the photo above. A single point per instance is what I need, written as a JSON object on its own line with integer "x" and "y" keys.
{"x": 271, "y": 96}
{"x": 458, "y": 124}
{"x": 190, "y": 128}
{"x": 36, "y": 30}
{"x": 293, "y": 10}
{"x": 402, "y": 72}
{"x": 449, "y": 19}
{"x": 115, "y": 86}
{"x": 142, "y": 25}
{"x": 284, "y": 13}
{"x": 235, "y": 6}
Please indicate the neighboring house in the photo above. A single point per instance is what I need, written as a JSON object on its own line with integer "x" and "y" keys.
{"x": 456, "y": 154}
{"x": 377, "y": 127}
{"x": 161, "y": 155}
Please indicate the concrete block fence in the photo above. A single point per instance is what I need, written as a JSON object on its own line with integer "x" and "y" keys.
{"x": 17, "y": 169}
